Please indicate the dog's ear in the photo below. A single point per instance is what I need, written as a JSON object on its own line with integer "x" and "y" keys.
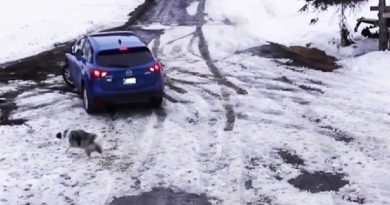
{"x": 59, "y": 135}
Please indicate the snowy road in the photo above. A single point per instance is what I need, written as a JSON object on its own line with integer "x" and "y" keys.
{"x": 235, "y": 127}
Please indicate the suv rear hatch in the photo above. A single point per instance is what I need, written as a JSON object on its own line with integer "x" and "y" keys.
{"x": 127, "y": 68}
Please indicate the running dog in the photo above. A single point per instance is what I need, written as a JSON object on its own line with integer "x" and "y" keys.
{"x": 81, "y": 139}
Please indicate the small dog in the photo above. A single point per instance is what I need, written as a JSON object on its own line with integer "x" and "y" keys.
{"x": 81, "y": 139}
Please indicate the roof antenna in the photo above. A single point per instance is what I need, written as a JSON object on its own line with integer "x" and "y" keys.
{"x": 120, "y": 41}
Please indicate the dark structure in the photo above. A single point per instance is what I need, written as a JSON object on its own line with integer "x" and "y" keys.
{"x": 383, "y": 22}
{"x": 345, "y": 37}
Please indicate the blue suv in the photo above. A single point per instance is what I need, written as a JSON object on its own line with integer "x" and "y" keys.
{"x": 113, "y": 68}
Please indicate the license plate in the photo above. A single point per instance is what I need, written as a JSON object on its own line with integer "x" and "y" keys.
{"x": 129, "y": 81}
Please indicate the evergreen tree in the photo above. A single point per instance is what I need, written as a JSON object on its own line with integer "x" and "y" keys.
{"x": 343, "y": 6}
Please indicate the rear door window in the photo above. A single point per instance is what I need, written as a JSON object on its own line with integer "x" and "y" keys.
{"x": 78, "y": 45}
{"x": 87, "y": 51}
{"x": 131, "y": 57}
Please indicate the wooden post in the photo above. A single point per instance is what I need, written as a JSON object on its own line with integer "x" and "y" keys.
{"x": 383, "y": 32}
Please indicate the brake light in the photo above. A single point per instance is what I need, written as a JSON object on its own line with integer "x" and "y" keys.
{"x": 155, "y": 67}
{"x": 123, "y": 49}
{"x": 98, "y": 73}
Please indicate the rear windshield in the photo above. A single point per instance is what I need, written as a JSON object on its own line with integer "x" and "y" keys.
{"x": 123, "y": 59}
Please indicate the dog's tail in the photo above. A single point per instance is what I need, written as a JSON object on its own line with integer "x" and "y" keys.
{"x": 59, "y": 135}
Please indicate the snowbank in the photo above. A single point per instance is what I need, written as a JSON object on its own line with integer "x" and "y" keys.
{"x": 279, "y": 21}
{"x": 30, "y": 27}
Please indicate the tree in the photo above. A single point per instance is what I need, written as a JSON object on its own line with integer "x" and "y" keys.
{"x": 344, "y": 5}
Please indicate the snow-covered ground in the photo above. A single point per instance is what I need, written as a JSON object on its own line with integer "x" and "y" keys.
{"x": 30, "y": 27}
{"x": 336, "y": 122}
{"x": 279, "y": 21}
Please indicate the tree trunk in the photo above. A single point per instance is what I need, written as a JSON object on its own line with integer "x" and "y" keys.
{"x": 383, "y": 32}
{"x": 344, "y": 31}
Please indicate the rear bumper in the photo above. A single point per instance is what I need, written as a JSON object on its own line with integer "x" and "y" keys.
{"x": 129, "y": 96}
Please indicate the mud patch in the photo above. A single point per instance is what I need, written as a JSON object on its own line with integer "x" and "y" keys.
{"x": 279, "y": 88}
{"x": 284, "y": 79}
{"x": 318, "y": 181}
{"x": 6, "y": 109}
{"x": 336, "y": 133}
{"x": 163, "y": 197}
{"x": 311, "y": 89}
{"x": 230, "y": 117}
{"x": 248, "y": 184}
{"x": 12, "y": 122}
{"x": 253, "y": 163}
{"x": 312, "y": 58}
{"x": 35, "y": 68}
{"x": 355, "y": 199}
{"x": 291, "y": 158}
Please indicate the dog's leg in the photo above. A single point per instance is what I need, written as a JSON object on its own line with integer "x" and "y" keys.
{"x": 88, "y": 153}
{"x": 98, "y": 149}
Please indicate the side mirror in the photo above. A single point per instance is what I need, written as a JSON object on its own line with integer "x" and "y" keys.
{"x": 79, "y": 53}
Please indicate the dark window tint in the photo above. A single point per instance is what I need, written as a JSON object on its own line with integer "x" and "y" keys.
{"x": 124, "y": 59}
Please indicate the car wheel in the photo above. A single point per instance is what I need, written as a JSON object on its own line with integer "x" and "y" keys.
{"x": 88, "y": 104}
{"x": 156, "y": 102}
{"x": 66, "y": 75}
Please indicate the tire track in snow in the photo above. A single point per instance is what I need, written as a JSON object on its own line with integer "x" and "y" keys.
{"x": 164, "y": 15}
{"x": 190, "y": 48}
{"x": 221, "y": 78}
{"x": 218, "y": 76}
{"x": 209, "y": 139}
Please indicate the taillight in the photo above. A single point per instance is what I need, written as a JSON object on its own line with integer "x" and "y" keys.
{"x": 155, "y": 67}
{"x": 98, "y": 73}
{"x": 123, "y": 49}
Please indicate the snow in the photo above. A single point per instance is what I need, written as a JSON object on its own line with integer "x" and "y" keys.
{"x": 30, "y": 27}
{"x": 184, "y": 147}
{"x": 355, "y": 98}
{"x": 155, "y": 26}
{"x": 192, "y": 8}
{"x": 279, "y": 21}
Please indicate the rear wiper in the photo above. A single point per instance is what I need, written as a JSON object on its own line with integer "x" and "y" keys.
{"x": 117, "y": 65}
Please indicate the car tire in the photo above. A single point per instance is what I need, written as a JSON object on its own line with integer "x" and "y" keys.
{"x": 66, "y": 75}
{"x": 88, "y": 104}
{"x": 156, "y": 102}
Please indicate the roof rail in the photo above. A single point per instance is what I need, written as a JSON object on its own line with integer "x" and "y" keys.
{"x": 113, "y": 33}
